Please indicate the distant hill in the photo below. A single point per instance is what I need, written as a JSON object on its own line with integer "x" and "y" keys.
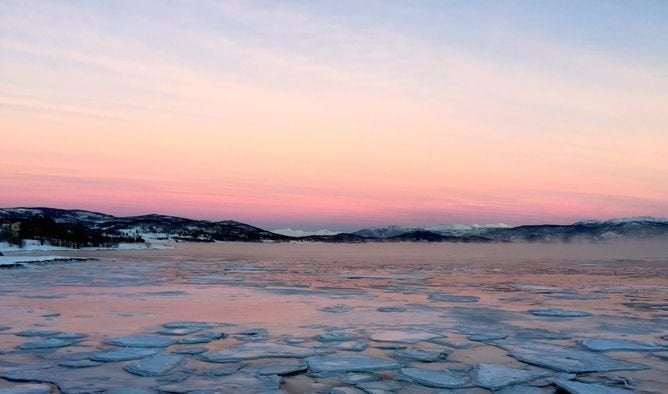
{"x": 642, "y": 227}
{"x": 85, "y": 228}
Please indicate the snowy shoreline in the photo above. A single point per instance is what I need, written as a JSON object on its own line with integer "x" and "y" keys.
{"x": 35, "y": 246}
{"x": 20, "y": 261}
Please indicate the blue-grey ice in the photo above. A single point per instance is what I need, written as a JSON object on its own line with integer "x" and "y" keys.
{"x": 27, "y": 388}
{"x": 254, "y": 351}
{"x": 48, "y": 343}
{"x": 38, "y": 333}
{"x": 556, "y": 312}
{"x": 339, "y": 308}
{"x": 452, "y": 297}
{"x": 496, "y": 376}
{"x": 391, "y": 309}
{"x": 402, "y": 336}
{"x": 605, "y": 345}
{"x": 358, "y": 377}
{"x": 157, "y": 365}
{"x": 142, "y": 341}
{"x": 380, "y": 386}
{"x": 124, "y": 354}
{"x": 417, "y": 354}
{"x": 445, "y": 379}
{"x": 179, "y": 331}
{"x": 345, "y": 390}
{"x": 240, "y": 383}
{"x": 588, "y": 388}
{"x": 186, "y": 324}
{"x": 332, "y": 336}
{"x": 189, "y": 350}
{"x": 276, "y": 368}
{"x": 564, "y": 359}
{"x": 349, "y": 363}
{"x": 202, "y": 337}
{"x": 79, "y": 363}
{"x": 130, "y": 390}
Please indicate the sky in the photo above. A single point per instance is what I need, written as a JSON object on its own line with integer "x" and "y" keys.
{"x": 337, "y": 114}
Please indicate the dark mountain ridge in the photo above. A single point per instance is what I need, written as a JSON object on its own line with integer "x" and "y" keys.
{"x": 99, "y": 228}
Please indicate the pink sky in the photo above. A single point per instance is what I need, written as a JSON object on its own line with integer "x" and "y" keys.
{"x": 386, "y": 127}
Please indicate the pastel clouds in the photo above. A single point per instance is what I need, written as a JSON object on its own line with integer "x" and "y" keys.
{"x": 289, "y": 114}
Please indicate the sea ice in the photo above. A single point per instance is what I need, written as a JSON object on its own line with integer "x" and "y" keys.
{"x": 29, "y": 388}
{"x": 402, "y": 336}
{"x": 380, "y": 386}
{"x": 186, "y": 324}
{"x": 238, "y": 383}
{"x": 189, "y": 350}
{"x": 124, "y": 354}
{"x": 48, "y": 343}
{"x": 496, "y": 376}
{"x": 452, "y": 297}
{"x": 351, "y": 346}
{"x": 345, "y": 390}
{"x": 444, "y": 379}
{"x": 424, "y": 355}
{"x": 38, "y": 333}
{"x": 275, "y": 368}
{"x": 391, "y": 309}
{"x": 253, "y": 351}
{"x": 358, "y": 377}
{"x": 349, "y": 363}
{"x": 586, "y": 388}
{"x": 339, "y": 308}
{"x": 605, "y": 345}
{"x": 79, "y": 363}
{"x": 180, "y": 330}
{"x": 142, "y": 341}
{"x": 564, "y": 359}
{"x": 157, "y": 365}
{"x": 333, "y": 336}
{"x": 202, "y": 337}
{"x": 555, "y": 312}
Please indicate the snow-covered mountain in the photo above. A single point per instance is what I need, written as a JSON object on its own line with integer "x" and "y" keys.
{"x": 631, "y": 219}
{"x": 301, "y": 233}
{"x": 100, "y": 228}
{"x": 440, "y": 229}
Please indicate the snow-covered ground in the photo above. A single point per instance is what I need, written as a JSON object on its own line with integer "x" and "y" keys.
{"x": 13, "y": 260}
{"x": 32, "y": 245}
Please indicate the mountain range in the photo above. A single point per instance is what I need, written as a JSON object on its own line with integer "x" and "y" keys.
{"x": 162, "y": 227}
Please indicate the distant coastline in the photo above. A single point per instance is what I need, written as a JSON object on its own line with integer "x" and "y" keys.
{"x": 79, "y": 228}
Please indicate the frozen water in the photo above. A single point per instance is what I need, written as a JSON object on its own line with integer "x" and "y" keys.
{"x": 605, "y": 345}
{"x": 402, "y": 336}
{"x": 585, "y": 388}
{"x": 349, "y": 363}
{"x": 445, "y": 379}
{"x": 253, "y": 351}
{"x": 124, "y": 354}
{"x": 142, "y": 341}
{"x": 28, "y": 388}
{"x": 555, "y": 312}
{"x": 276, "y": 368}
{"x": 495, "y": 376}
{"x": 452, "y": 297}
{"x": 157, "y": 365}
{"x": 48, "y": 343}
{"x": 424, "y": 355}
{"x": 332, "y": 336}
{"x": 565, "y": 359}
